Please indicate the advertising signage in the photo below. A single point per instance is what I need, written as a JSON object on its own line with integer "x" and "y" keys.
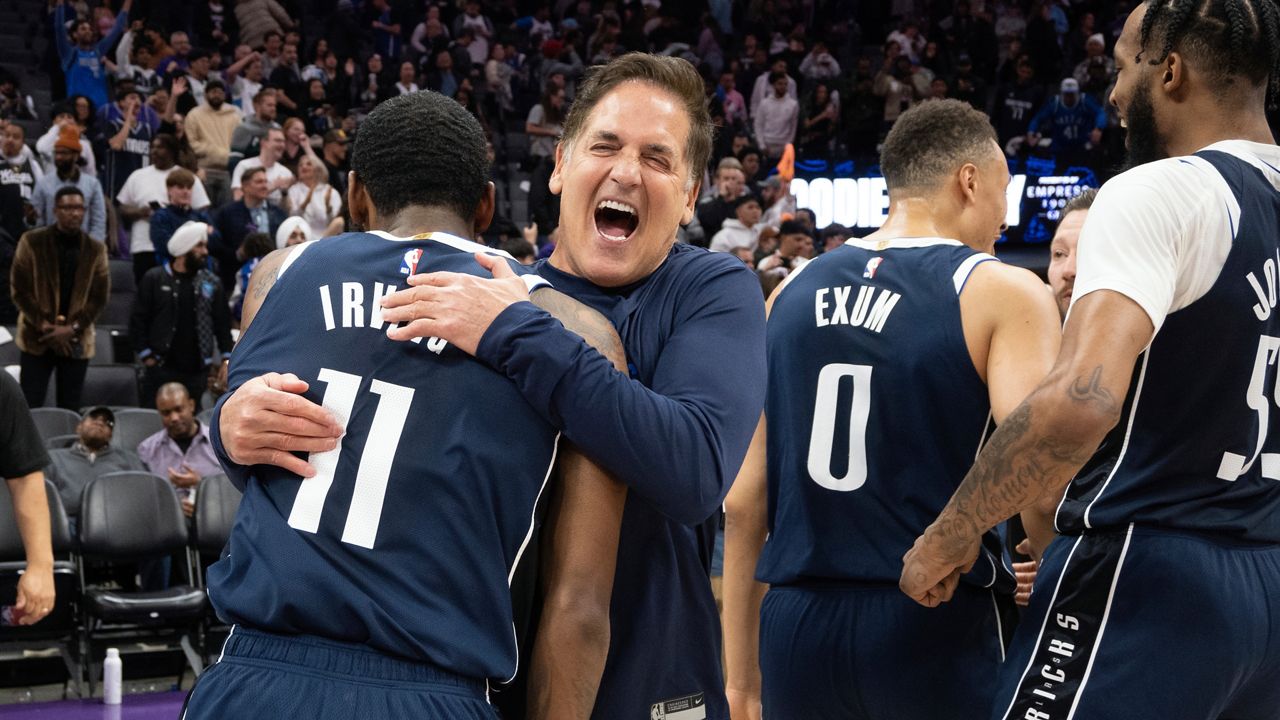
{"x": 1037, "y": 192}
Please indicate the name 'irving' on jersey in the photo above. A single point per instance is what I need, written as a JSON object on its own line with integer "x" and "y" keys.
{"x": 868, "y": 309}
{"x": 360, "y": 306}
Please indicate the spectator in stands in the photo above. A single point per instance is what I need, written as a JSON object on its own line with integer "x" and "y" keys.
{"x": 19, "y": 172}
{"x": 210, "y": 128}
{"x": 778, "y": 202}
{"x": 384, "y": 22}
{"x": 430, "y": 35}
{"x": 718, "y": 206}
{"x": 14, "y": 105}
{"x": 145, "y": 79}
{"x": 966, "y": 32}
{"x": 1016, "y": 103}
{"x": 92, "y": 455}
{"x": 251, "y": 213}
{"x": 84, "y": 63}
{"x": 123, "y": 134}
{"x": 966, "y": 85}
{"x": 481, "y": 29}
{"x": 910, "y": 42}
{"x": 177, "y": 211}
{"x": 315, "y": 201}
{"x": 763, "y": 89}
{"x": 215, "y": 24}
{"x": 178, "y": 61}
{"x": 181, "y": 323}
{"x": 743, "y": 229}
{"x": 749, "y": 158}
{"x": 286, "y": 78}
{"x": 247, "y": 137}
{"x": 819, "y": 64}
{"x": 442, "y": 77}
{"x": 335, "y": 159}
{"x": 497, "y": 75}
{"x": 821, "y": 123}
{"x": 60, "y": 283}
{"x": 247, "y": 86}
{"x": 64, "y": 117}
{"x": 406, "y": 84}
{"x": 833, "y": 236}
{"x": 260, "y": 21}
{"x": 795, "y": 248}
{"x": 181, "y": 451}
{"x": 269, "y": 154}
{"x": 67, "y": 173}
{"x": 145, "y": 192}
{"x": 293, "y": 231}
{"x": 198, "y": 75}
{"x": 902, "y": 85}
{"x": 255, "y": 247}
{"x": 1095, "y": 51}
{"x": 296, "y": 143}
{"x": 735, "y": 106}
{"x": 777, "y": 118}
{"x": 1075, "y": 123}
{"x": 1062, "y": 251}
{"x": 22, "y": 456}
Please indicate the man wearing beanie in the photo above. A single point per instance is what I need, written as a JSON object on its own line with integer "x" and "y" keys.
{"x": 60, "y": 283}
{"x": 66, "y": 153}
{"x": 181, "y": 324}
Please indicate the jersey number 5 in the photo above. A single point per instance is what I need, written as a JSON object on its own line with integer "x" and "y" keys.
{"x": 823, "y": 435}
{"x": 1233, "y": 466}
{"x": 365, "y": 512}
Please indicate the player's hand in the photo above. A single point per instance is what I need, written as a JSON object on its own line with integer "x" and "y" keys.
{"x": 266, "y": 420}
{"x": 744, "y": 705}
{"x": 454, "y": 307}
{"x": 35, "y": 595}
{"x": 931, "y": 569}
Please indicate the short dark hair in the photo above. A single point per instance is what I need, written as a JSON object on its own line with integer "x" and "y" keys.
{"x": 421, "y": 149}
{"x": 775, "y": 76}
{"x": 675, "y": 75}
{"x": 1082, "y": 201}
{"x": 1225, "y": 39}
{"x": 932, "y": 139}
{"x": 256, "y": 245}
{"x": 250, "y": 173}
{"x": 66, "y": 190}
{"x": 170, "y": 142}
{"x": 518, "y": 248}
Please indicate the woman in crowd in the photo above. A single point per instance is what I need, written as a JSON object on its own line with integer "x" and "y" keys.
{"x": 313, "y": 200}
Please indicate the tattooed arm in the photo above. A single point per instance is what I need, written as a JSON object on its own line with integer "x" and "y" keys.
{"x": 1041, "y": 444}
{"x": 261, "y": 280}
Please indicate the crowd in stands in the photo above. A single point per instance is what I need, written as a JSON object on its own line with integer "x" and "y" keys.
{"x": 199, "y": 136}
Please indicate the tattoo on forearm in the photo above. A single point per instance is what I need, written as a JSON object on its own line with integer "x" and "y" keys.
{"x": 1090, "y": 390}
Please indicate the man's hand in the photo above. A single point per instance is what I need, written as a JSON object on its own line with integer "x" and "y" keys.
{"x": 265, "y": 421}
{"x": 35, "y": 595}
{"x": 931, "y": 569}
{"x": 1025, "y": 573}
{"x": 179, "y": 85}
{"x": 184, "y": 478}
{"x": 454, "y": 307}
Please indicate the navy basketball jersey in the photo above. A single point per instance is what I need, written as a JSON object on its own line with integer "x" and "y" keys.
{"x": 875, "y": 412}
{"x": 1198, "y": 444}
{"x": 405, "y": 539}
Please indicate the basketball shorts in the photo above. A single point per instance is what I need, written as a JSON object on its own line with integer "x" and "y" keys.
{"x": 849, "y": 653}
{"x": 1140, "y": 623}
{"x": 261, "y": 675}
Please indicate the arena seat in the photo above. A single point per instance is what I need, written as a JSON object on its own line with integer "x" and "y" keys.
{"x": 9, "y": 353}
{"x": 120, "y": 302}
{"x": 57, "y": 442}
{"x": 133, "y": 425}
{"x": 52, "y": 422}
{"x": 127, "y": 517}
{"x": 110, "y": 385}
{"x": 59, "y": 626}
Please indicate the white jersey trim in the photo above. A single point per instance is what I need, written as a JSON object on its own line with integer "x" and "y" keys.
{"x": 293, "y": 256}
{"x": 962, "y": 273}
{"x": 904, "y": 242}
{"x": 533, "y": 522}
{"x": 1102, "y": 629}
{"x": 531, "y": 281}
{"x": 995, "y": 606}
{"x": 1124, "y": 447}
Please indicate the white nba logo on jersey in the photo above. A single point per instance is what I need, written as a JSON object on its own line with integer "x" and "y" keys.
{"x": 872, "y": 265}
{"x": 410, "y": 264}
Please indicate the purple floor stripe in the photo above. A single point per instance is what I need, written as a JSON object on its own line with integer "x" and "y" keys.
{"x": 151, "y": 706}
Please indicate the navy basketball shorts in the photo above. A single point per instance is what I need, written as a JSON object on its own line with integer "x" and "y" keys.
{"x": 847, "y": 653}
{"x": 1140, "y": 623}
{"x": 261, "y": 675}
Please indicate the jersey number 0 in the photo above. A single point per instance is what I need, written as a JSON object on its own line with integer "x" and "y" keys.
{"x": 379, "y": 451}
{"x": 822, "y": 437}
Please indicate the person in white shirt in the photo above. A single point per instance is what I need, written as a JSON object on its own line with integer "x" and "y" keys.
{"x": 278, "y": 176}
{"x": 777, "y": 117}
{"x": 819, "y": 63}
{"x": 762, "y": 88}
{"x": 314, "y": 200}
{"x": 145, "y": 191}
{"x": 406, "y": 84}
{"x": 63, "y": 117}
{"x": 743, "y": 229}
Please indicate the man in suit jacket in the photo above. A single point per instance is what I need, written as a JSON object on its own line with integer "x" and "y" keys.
{"x": 60, "y": 283}
{"x": 251, "y": 213}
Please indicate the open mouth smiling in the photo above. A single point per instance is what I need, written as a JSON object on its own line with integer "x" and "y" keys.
{"x": 616, "y": 221}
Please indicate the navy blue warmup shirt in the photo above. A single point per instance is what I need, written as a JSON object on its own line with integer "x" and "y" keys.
{"x": 406, "y": 538}
{"x": 675, "y": 432}
{"x": 875, "y": 412}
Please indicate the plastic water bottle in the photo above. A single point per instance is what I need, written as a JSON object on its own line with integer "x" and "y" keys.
{"x": 112, "y": 677}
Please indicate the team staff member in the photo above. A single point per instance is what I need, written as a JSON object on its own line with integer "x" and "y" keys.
{"x": 919, "y": 304}
{"x": 22, "y": 456}
{"x": 676, "y": 430}
{"x": 1167, "y": 572}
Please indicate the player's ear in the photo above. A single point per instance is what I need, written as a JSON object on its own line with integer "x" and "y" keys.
{"x": 1173, "y": 72}
{"x": 358, "y": 202}
{"x": 967, "y": 179}
{"x": 484, "y": 211}
{"x": 556, "y": 184}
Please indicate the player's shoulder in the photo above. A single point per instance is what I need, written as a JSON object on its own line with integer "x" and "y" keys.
{"x": 1007, "y": 291}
